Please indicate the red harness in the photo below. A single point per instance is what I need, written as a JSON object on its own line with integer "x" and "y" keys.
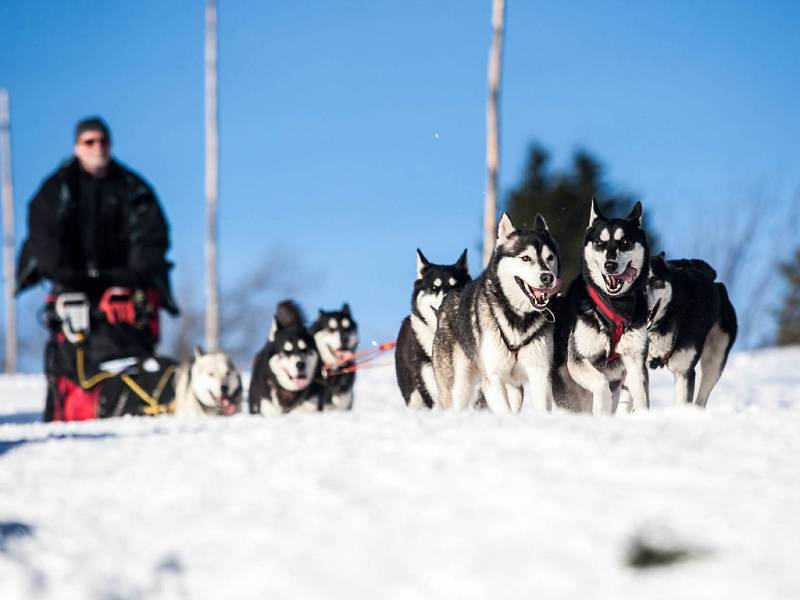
{"x": 358, "y": 360}
{"x": 617, "y": 319}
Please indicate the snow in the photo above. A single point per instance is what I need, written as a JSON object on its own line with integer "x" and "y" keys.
{"x": 384, "y": 502}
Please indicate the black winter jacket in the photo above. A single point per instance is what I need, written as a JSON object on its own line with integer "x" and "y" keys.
{"x": 122, "y": 240}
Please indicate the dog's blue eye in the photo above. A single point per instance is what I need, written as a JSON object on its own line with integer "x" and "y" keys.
{"x": 526, "y": 259}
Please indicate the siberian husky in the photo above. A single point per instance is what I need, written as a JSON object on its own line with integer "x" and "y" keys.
{"x": 336, "y": 338}
{"x": 691, "y": 320}
{"x": 286, "y": 372}
{"x": 497, "y": 333}
{"x": 412, "y": 358}
{"x": 208, "y": 384}
{"x": 601, "y": 325}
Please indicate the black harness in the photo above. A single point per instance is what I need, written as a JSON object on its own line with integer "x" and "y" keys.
{"x": 515, "y": 348}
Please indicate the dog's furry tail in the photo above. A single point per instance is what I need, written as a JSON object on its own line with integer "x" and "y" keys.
{"x": 289, "y": 314}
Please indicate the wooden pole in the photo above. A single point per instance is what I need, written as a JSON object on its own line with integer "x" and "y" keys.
{"x": 493, "y": 130}
{"x": 8, "y": 234}
{"x": 212, "y": 182}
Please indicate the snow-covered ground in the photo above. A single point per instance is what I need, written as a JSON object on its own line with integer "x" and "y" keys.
{"x": 386, "y": 503}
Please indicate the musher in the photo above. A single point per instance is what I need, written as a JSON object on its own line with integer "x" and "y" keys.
{"x": 96, "y": 228}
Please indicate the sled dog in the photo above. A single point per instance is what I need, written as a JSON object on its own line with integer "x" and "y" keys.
{"x": 209, "y": 384}
{"x": 286, "y": 371}
{"x": 691, "y": 320}
{"x": 601, "y": 325}
{"x": 497, "y": 332}
{"x": 336, "y": 338}
{"x": 412, "y": 358}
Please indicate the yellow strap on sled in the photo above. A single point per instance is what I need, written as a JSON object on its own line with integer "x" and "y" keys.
{"x": 90, "y": 383}
{"x": 152, "y": 408}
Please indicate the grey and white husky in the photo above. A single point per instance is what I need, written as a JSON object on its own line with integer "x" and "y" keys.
{"x": 336, "y": 337}
{"x": 497, "y": 333}
{"x": 412, "y": 357}
{"x": 691, "y": 320}
{"x": 601, "y": 325}
{"x": 209, "y": 384}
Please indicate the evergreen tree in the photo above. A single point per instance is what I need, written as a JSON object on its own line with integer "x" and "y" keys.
{"x": 789, "y": 315}
{"x": 564, "y": 198}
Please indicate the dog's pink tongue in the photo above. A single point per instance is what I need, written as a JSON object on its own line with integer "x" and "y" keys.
{"x": 629, "y": 274}
{"x": 551, "y": 291}
{"x": 228, "y": 408}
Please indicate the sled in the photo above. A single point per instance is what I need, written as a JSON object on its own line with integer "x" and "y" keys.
{"x": 100, "y": 360}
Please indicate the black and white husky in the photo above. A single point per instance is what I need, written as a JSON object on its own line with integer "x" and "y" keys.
{"x": 691, "y": 320}
{"x": 601, "y": 325}
{"x": 497, "y": 333}
{"x": 286, "y": 371}
{"x": 208, "y": 384}
{"x": 412, "y": 357}
{"x": 336, "y": 337}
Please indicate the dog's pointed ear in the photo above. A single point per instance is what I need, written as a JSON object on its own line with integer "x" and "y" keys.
{"x": 346, "y": 309}
{"x": 422, "y": 262}
{"x": 198, "y": 351}
{"x": 636, "y": 214}
{"x": 505, "y": 229}
{"x": 658, "y": 266}
{"x": 274, "y": 329}
{"x": 540, "y": 224}
{"x": 594, "y": 212}
{"x": 461, "y": 263}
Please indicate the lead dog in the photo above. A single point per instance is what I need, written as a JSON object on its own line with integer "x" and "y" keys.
{"x": 209, "y": 384}
{"x": 497, "y": 332}
{"x": 691, "y": 320}
{"x": 601, "y": 326}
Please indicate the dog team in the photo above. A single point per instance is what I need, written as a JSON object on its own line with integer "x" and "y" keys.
{"x": 298, "y": 369}
{"x": 476, "y": 343}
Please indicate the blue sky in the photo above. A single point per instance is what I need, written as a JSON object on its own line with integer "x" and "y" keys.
{"x": 353, "y": 132}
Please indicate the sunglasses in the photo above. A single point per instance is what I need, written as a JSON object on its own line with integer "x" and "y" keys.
{"x": 103, "y": 141}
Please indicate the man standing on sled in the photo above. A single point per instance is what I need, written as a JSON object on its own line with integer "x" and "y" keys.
{"x": 97, "y": 232}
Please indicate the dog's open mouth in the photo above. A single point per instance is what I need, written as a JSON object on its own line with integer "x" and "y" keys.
{"x": 615, "y": 282}
{"x": 539, "y": 297}
{"x": 226, "y": 406}
{"x": 299, "y": 381}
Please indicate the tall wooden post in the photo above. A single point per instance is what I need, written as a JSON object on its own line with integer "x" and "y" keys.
{"x": 493, "y": 130}
{"x": 212, "y": 184}
{"x": 8, "y": 234}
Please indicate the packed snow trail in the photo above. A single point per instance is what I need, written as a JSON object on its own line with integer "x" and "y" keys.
{"x": 383, "y": 502}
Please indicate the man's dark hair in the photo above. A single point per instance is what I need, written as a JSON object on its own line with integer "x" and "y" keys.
{"x": 92, "y": 124}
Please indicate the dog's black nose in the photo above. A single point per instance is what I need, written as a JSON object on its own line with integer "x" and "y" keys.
{"x": 301, "y": 365}
{"x": 223, "y": 389}
{"x": 611, "y": 266}
{"x": 547, "y": 279}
